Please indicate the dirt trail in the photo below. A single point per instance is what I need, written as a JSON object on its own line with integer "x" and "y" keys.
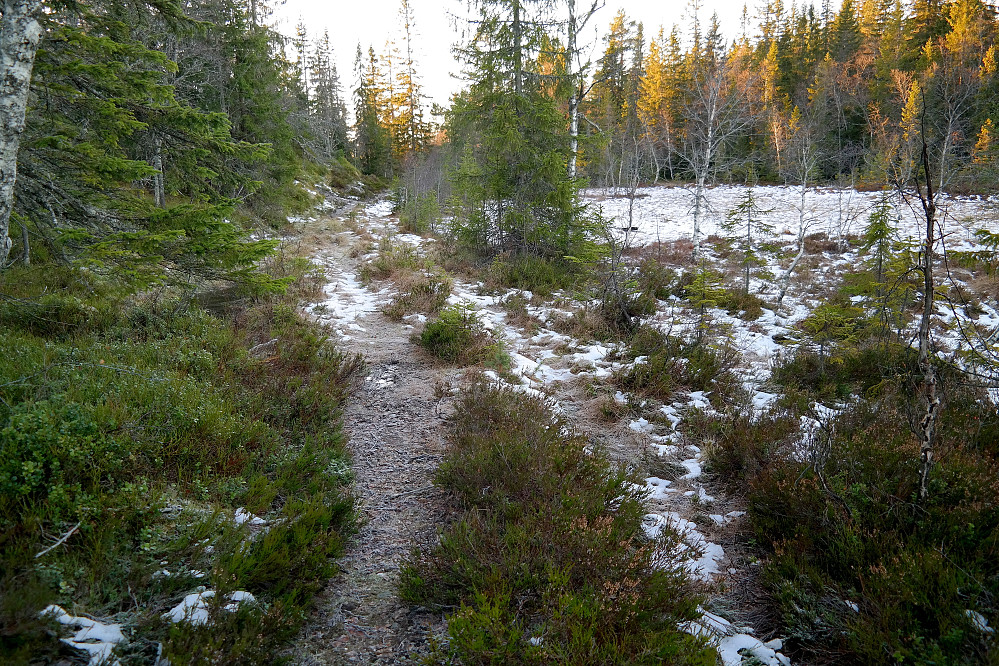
{"x": 393, "y": 423}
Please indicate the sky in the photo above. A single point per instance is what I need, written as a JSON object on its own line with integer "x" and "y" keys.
{"x": 439, "y": 22}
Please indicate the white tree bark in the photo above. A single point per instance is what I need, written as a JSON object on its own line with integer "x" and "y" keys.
{"x": 574, "y": 73}
{"x": 802, "y": 227}
{"x": 20, "y": 32}
{"x": 927, "y": 424}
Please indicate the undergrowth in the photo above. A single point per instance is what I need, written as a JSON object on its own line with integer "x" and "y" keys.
{"x": 858, "y": 568}
{"x": 145, "y": 422}
{"x": 544, "y": 560}
{"x": 457, "y": 336}
{"x": 666, "y": 364}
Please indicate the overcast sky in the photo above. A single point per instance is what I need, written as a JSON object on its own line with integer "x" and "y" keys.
{"x": 438, "y": 22}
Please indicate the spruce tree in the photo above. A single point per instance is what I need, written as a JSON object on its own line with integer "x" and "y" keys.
{"x": 513, "y": 136}
{"x": 104, "y": 123}
{"x": 373, "y": 143}
{"x": 747, "y": 223}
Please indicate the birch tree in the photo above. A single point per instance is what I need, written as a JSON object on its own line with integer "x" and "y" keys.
{"x": 714, "y": 116}
{"x": 575, "y": 70}
{"x": 20, "y": 32}
{"x": 803, "y": 157}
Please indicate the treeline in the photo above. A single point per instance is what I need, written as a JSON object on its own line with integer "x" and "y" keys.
{"x": 801, "y": 93}
{"x": 157, "y": 134}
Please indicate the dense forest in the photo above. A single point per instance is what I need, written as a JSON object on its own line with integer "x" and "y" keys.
{"x": 180, "y": 182}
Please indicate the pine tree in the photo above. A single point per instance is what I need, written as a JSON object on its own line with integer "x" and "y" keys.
{"x": 879, "y": 238}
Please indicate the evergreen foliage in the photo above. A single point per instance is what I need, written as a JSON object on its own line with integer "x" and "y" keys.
{"x": 120, "y": 169}
{"x": 515, "y": 193}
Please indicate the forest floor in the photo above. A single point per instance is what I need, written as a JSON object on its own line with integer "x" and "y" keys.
{"x": 396, "y": 420}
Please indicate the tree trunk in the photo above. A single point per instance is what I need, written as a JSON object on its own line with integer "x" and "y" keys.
{"x": 25, "y": 245}
{"x": 698, "y": 206}
{"x": 159, "y": 179}
{"x": 801, "y": 249}
{"x": 927, "y": 424}
{"x": 20, "y": 32}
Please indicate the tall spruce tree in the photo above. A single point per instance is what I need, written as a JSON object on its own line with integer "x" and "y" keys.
{"x": 373, "y": 142}
{"x": 513, "y": 136}
{"x": 104, "y": 123}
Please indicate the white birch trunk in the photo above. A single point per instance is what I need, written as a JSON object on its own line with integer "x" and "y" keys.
{"x": 20, "y": 32}
{"x": 927, "y": 424}
{"x": 786, "y": 280}
{"x": 698, "y": 206}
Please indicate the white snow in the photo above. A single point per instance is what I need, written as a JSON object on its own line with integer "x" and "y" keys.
{"x": 243, "y": 516}
{"x": 979, "y": 621}
{"x": 96, "y": 638}
{"x": 734, "y": 643}
{"x": 193, "y": 608}
{"x": 703, "y": 555}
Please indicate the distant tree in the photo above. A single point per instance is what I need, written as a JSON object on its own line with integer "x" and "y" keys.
{"x": 410, "y": 129}
{"x": 746, "y": 220}
{"x": 373, "y": 142}
{"x": 715, "y": 114}
{"x": 660, "y": 101}
{"x": 327, "y": 110}
{"x": 801, "y": 166}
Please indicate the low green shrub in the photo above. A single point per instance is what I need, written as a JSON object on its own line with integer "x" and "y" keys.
{"x": 539, "y": 275}
{"x": 427, "y": 294}
{"x": 858, "y": 566}
{"x": 547, "y": 545}
{"x": 457, "y": 336}
{"x": 747, "y": 306}
{"x": 742, "y": 443}
{"x": 138, "y": 436}
{"x": 862, "y": 370}
{"x": 671, "y": 363}
{"x": 393, "y": 259}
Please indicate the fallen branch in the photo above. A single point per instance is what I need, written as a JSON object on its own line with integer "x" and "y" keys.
{"x": 61, "y": 540}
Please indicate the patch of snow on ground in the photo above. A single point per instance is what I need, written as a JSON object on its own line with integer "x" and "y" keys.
{"x": 243, "y": 516}
{"x": 347, "y": 300}
{"x": 193, "y": 608}
{"x": 736, "y": 643}
{"x": 95, "y": 638}
{"x": 703, "y": 555}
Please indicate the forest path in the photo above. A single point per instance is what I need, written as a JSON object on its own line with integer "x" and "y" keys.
{"x": 393, "y": 423}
